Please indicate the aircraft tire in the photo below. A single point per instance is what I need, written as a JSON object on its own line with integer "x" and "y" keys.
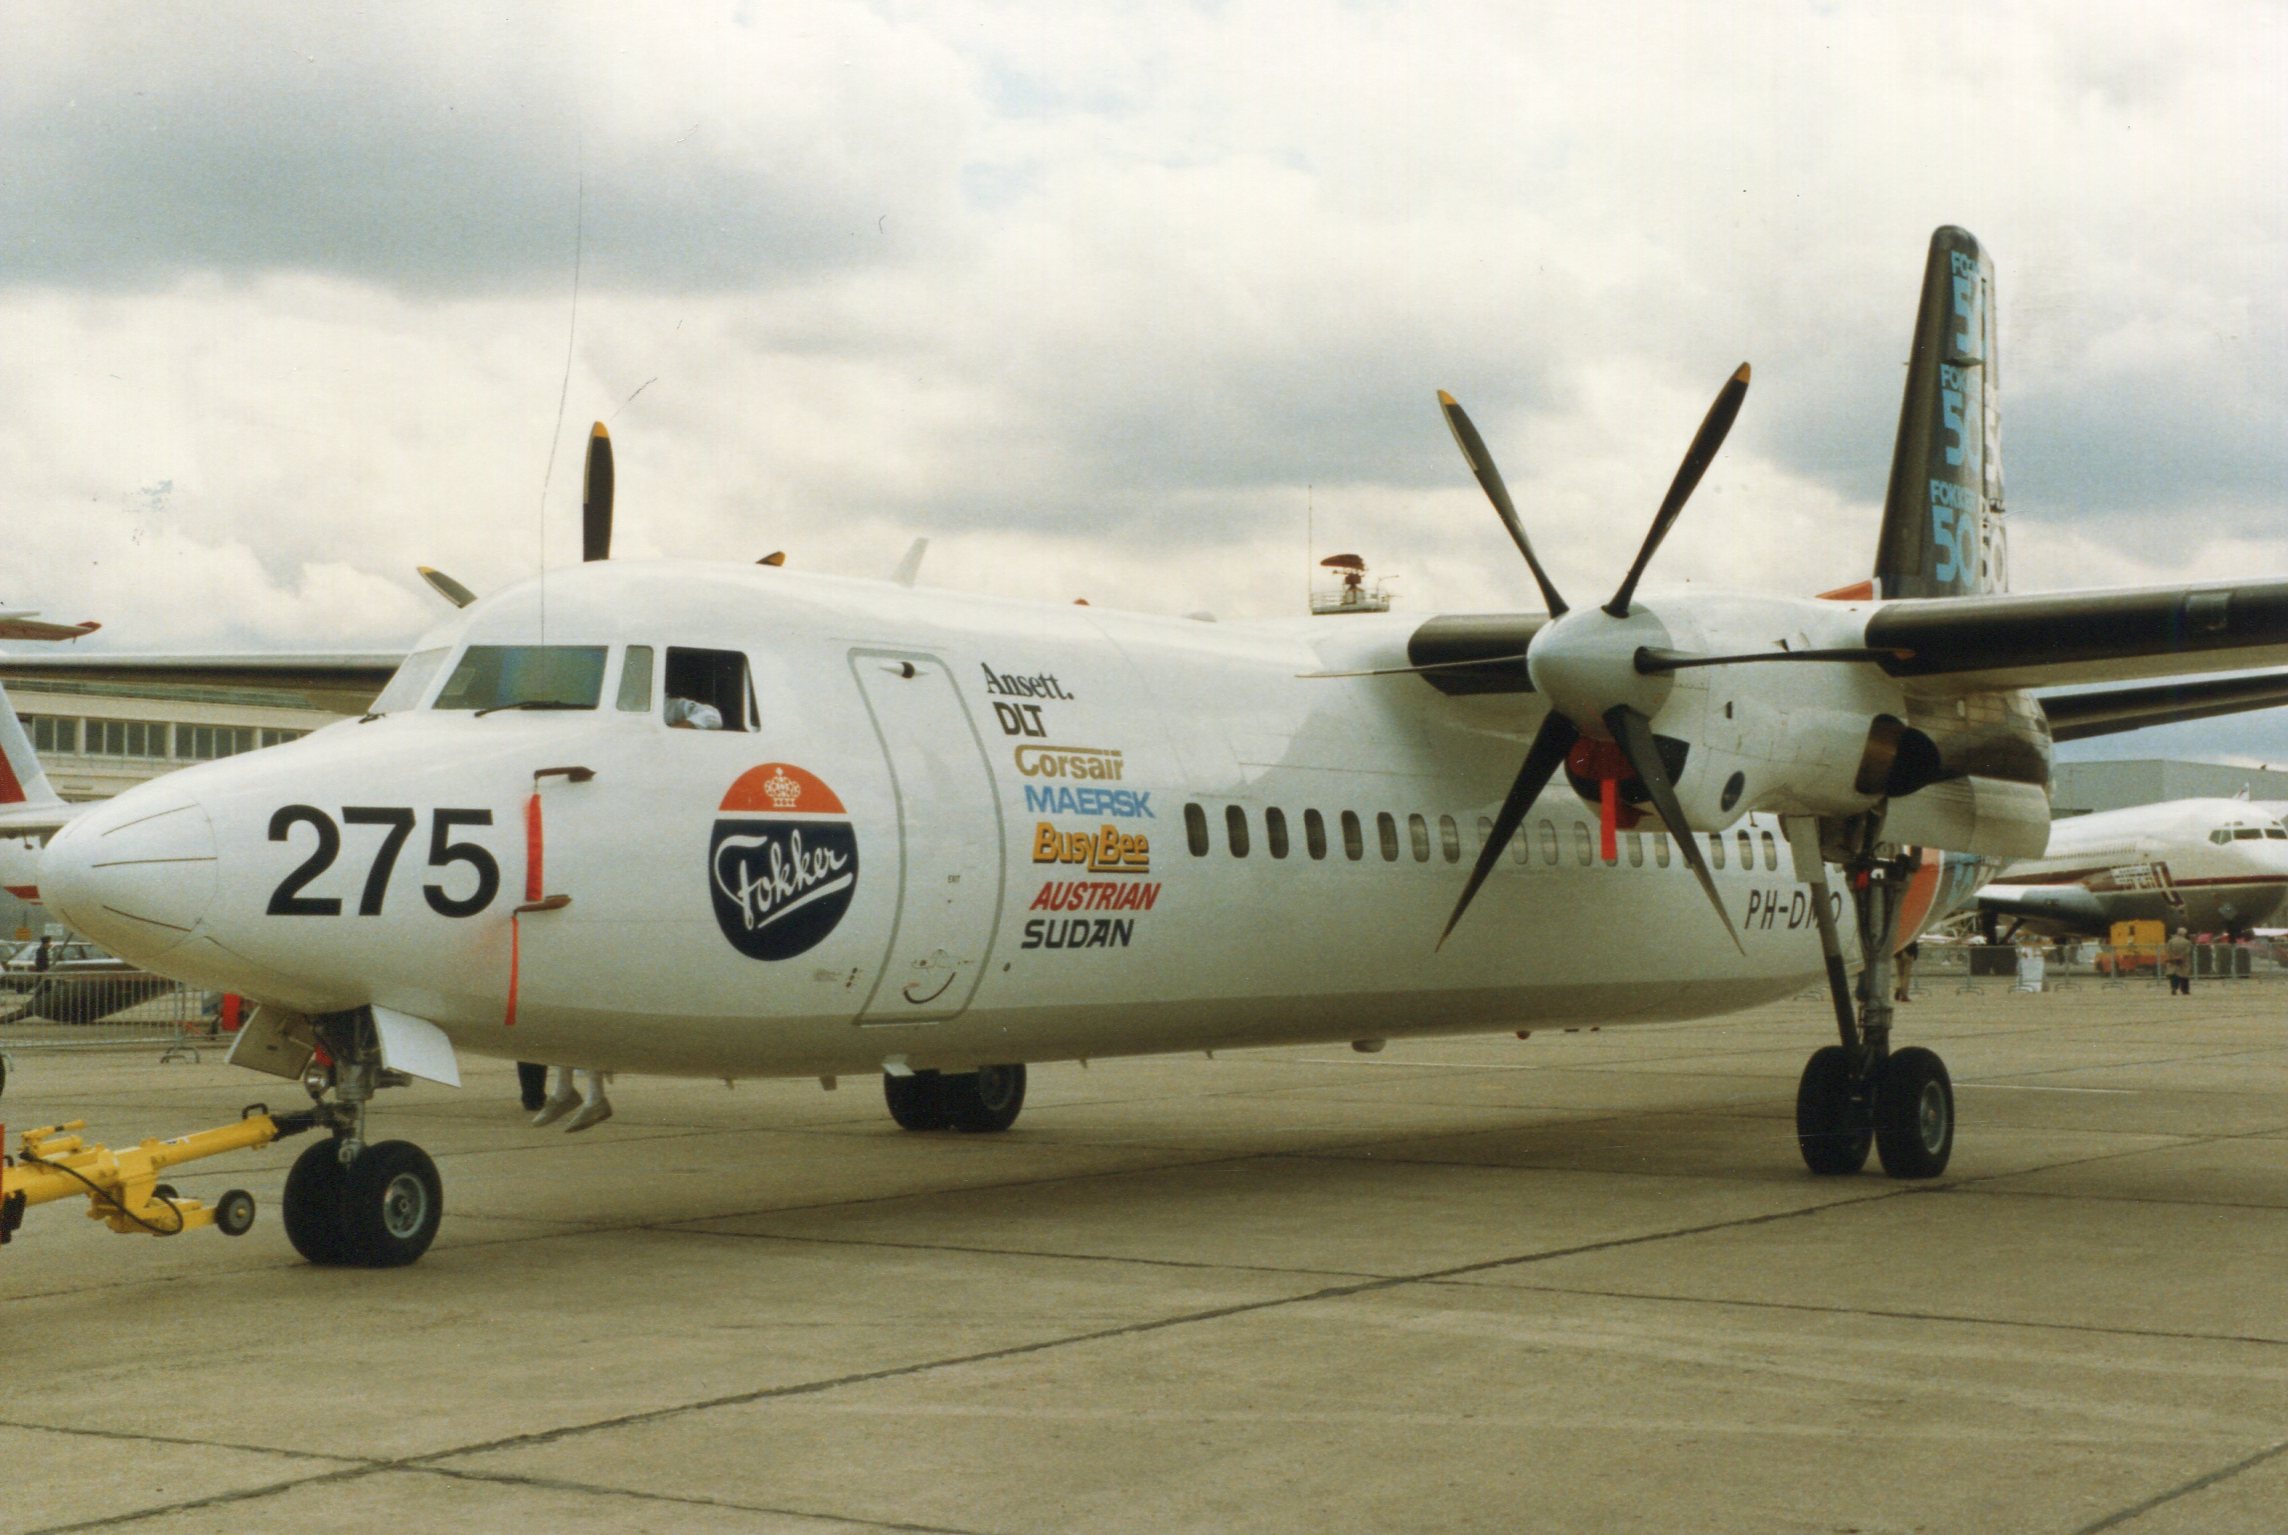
{"x": 1914, "y": 1114}
{"x": 311, "y": 1207}
{"x": 916, "y": 1102}
{"x": 391, "y": 1203}
{"x": 987, "y": 1100}
{"x": 1831, "y": 1128}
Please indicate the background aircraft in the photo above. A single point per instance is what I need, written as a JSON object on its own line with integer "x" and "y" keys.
{"x": 941, "y": 837}
{"x": 2211, "y": 865}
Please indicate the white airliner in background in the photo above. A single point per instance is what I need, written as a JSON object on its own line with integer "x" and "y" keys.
{"x": 2210, "y": 865}
{"x": 939, "y": 837}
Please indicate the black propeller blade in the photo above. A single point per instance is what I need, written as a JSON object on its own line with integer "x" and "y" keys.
{"x": 1633, "y": 733}
{"x": 1705, "y": 442}
{"x": 596, "y": 497}
{"x": 1542, "y": 760}
{"x": 1650, "y": 661}
{"x": 1481, "y": 464}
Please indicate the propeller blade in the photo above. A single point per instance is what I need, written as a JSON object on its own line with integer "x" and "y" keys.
{"x": 775, "y": 558}
{"x": 1414, "y": 671}
{"x": 446, "y": 587}
{"x": 596, "y": 497}
{"x": 1633, "y": 733}
{"x": 1481, "y": 464}
{"x": 1542, "y": 760}
{"x": 1705, "y": 442}
{"x": 1650, "y": 661}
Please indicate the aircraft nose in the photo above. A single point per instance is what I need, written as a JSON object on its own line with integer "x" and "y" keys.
{"x": 134, "y": 875}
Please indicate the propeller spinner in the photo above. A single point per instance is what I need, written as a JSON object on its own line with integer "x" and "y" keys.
{"x": 1587, "y": 664}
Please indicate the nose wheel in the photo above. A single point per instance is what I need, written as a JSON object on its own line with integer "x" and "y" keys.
{"x": 980, "y": 1102}
{"x": 378, "y": 1210}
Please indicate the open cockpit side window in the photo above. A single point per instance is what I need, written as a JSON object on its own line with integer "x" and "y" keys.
{"x": 709, "y": 690}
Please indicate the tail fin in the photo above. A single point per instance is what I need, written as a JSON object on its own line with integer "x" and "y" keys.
{"x": 24, "y": 783}
{"x": 1943, "y": 534}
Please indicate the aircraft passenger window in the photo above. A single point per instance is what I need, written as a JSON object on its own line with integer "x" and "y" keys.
{"x": 1196, "y": 830}
{"x": 1747, "y": 851}
{"x": 1636, "y": 849}
{"x": 1450, "y": 838}
{"x": 1581, "y": 848}
{"x": 1419, "y": 831}
{"x": 1548, "y": 842}
{"x": 1235, "y": 829}
{"x": 1771, "y": 852}
{"x": 1521, "y": 846}
{"x": 635, "y": 681}
{"x": 525, "y": 677}
{"x": 1354, "y": 844}
{"x": 409, "y": 681}
{"x": 1660, "y": 848}
{"x": 1275, "y": 831}
{"x": 716, "y": 678}
{"x": 1715, "y": 850}
{"x": 1485, "y": 831}
{"x": 1387, "y": 825}
{"x": 1315, "y": 833}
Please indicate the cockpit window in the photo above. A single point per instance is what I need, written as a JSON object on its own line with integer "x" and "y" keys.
{"x": 2275, "y": 834}
{"x": 409, "y": 681}
{"x": 635, "y": 680}
{"x": 708, "y": 690}
{"x": 525, "y": 677}
{"x": 2248, "y": 833}
{"x": 2221, "y": 835}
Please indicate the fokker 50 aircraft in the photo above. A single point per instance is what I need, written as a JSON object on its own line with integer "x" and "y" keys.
{"x": 940, "y": 837}
{"x": 2212, "y": 865}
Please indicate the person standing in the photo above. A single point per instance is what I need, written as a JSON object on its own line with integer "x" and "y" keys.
{"x": 1904, "y": 969}
{"x": 2179, "y": 964}
{"x": 532, "y": 1084}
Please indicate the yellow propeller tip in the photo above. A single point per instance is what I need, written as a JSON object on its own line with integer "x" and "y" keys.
{"x": 1742, "y": 375}
{"x": 1446, "y": 399}
{"x": 598, "y": 431}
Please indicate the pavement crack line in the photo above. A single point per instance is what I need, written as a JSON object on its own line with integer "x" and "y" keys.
{"x": 2197, "y": 1484}
{"x": 594, "y": 1489}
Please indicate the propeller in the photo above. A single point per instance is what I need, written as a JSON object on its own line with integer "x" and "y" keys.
{"x": 1603, "y": 679}
{"x": 446, "y": 587}
{"x": 596, "y": 497}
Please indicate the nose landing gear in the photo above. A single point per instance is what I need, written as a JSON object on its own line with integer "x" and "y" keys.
{"x": 348, "y": 1203}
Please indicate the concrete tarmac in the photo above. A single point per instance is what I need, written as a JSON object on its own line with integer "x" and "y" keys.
{"x": 1578, "y": 1282}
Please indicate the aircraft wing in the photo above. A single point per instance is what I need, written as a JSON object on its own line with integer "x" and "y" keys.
{"x": 339, "y": 682}
{"x": 1981, "y": 643}
{"x": 2067, "y": 904}
{"x": 2106, "y": 711}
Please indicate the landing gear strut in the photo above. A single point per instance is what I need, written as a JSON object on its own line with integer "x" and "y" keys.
{"x": 349, "y": 1203}
{"x": 1859, "y": 1093}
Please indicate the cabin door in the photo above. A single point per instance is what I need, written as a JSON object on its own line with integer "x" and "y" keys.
{"x": 949, "y": 839}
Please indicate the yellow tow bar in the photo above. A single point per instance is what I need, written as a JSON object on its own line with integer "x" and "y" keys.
{"x": 122, "y": 1188}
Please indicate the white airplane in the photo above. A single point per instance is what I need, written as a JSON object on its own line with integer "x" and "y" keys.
{"x": 941, "y": 837}
{"x": 2211, "y": 865}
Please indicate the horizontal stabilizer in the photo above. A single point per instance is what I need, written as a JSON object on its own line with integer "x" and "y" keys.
{"x": 2108, "y": 711}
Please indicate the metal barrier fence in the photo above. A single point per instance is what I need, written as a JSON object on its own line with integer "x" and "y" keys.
{"x": 1969, "y": 967}
{"x": 113, "y": 1009}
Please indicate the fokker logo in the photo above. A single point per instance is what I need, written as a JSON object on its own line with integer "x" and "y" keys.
{"x": 781, "y": 880}
{"x": 1107, "y": 850}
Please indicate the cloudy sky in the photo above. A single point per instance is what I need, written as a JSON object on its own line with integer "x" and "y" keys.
{"x": 1106, "y": 300}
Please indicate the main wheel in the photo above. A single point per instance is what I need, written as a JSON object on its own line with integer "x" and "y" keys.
{"x": 985, "y": 1100}
{"x": 311, "y": 1208}
{"x": 916, "y": 1102}
{"x": 1914, "y": 1114}
{"x": 392, "y": 1200}
{"x": 1831, "y": 1125}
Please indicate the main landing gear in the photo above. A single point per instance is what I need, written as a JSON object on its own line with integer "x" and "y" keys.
{"x": 1860, "y": 1094}
{"x": 980, "y": 1102}
{"x": 348, "y": 1203}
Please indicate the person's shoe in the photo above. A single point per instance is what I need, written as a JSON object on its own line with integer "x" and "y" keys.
{"x": 594, "y": 1112}
{"x": 557, "y": 1107}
